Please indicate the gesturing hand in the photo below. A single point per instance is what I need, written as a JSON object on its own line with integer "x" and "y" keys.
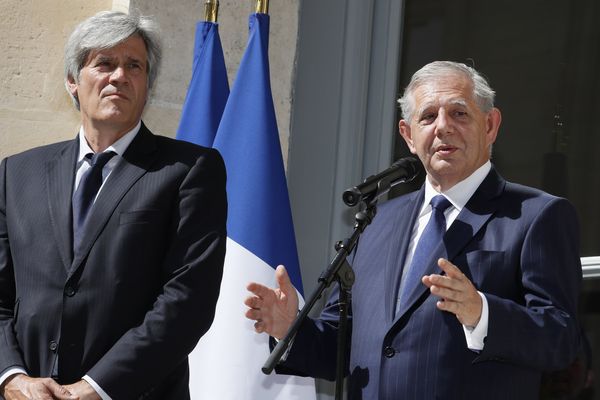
{"x": 458, "y": 295}
{"x": 273, "y": 309}
{"x": 23, "y": 387}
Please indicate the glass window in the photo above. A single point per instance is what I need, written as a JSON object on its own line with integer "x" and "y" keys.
{"x": 543, "y": 59}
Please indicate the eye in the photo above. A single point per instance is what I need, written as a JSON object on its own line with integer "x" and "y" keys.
{"x": 103, "y": 65}
{"x": 427, "y": 118}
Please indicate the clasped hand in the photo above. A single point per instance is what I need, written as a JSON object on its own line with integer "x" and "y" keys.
{"x": 23, "y": 387}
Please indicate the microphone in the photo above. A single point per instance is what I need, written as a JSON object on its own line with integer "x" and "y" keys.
{"x": 403, "y": 170}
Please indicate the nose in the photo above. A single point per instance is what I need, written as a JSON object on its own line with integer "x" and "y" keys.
{"x": 442, "y": 123}
{"x": 118, "y": 75}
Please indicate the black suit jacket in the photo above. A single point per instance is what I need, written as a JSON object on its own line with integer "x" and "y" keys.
{"x": 519, "y": 246}
{"x": 132, "y": 303}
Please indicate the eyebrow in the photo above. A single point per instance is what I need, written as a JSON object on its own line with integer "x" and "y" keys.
{"x": 105, "y": 57}
{"x": 454, "y": 102}
{"x": 458, "y": 102}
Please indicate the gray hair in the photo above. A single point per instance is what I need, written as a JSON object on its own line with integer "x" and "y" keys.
{"x": 105, "y": 30}
{"x": 483, "y": 93}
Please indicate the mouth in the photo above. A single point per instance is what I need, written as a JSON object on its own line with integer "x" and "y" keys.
{"x": 115, "y": 95}
{"x": 445, "y": 149}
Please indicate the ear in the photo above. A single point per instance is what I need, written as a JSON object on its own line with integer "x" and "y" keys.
{"x": 72, "y": 86}
{"x": 406, "y": 134}
{"x": 493, "y": 120}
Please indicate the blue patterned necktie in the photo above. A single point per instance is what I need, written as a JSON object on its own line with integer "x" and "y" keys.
{"x": 432, "y": 235}
{"x": 86, "y": 192}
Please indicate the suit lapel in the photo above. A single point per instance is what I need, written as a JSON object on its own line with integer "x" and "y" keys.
{"x": 60, "y": 173}
{"x": 469, "y": 221}
{"x": 401, "y": 235}
{"x": 131, "y": 167}
{"x": 478, "y": 210}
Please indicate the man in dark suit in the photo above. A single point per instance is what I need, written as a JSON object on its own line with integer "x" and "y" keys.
{"x": 106, "y": 289}
{"x": 465, "y": 289}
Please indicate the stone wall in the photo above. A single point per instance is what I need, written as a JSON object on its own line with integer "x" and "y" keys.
{"x": 34, "y": 106}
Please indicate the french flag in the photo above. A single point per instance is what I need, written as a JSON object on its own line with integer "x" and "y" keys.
{"x": 227, "y": 362}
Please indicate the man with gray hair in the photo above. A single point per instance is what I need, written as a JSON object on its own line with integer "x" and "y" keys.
{"x": 465, "y": 289}
{"x": 111, "y": 244}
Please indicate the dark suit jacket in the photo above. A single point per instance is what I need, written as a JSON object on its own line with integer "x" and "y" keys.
{"x": 518, "y": 245}
{"x": 129, "y": 307}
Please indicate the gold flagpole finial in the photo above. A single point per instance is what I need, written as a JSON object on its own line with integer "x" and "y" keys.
{"x": 211, "y": 10}
{"x": 262, "y": 6}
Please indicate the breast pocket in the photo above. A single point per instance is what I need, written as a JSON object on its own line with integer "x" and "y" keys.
{"x": 488, "y": 269}
{"x": 140, "y": 217}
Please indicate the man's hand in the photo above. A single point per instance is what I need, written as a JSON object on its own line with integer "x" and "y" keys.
{"x": 22, "y": 387}
{"x": 273, "y": 310}
{"x": 83, "y": 390}
{"x": 458, "y": 295}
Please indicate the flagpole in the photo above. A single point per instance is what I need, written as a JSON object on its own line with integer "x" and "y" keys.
{"x": 211, "y": 10}
{"x": 262, "y": 6}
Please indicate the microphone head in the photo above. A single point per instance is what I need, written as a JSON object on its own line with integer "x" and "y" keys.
{"x": 402, "y": 170}
{"x": 411, "y": 164}
{"x": 351, "y": 196}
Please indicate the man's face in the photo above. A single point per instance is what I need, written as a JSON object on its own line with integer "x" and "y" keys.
{"x": 448, "y": 131}
{"x": 113, "y": 85}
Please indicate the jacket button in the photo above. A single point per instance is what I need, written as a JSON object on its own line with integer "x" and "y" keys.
{"x": 53, "y": 346}
{"x": 389, "y": 352}
{"x": 70, "y": 291}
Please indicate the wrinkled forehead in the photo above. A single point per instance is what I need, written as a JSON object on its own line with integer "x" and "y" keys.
{"x": 133, "y": 49}
{"x": 446, "y": 89}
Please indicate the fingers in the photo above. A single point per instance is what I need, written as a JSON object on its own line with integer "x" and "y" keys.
{"x": 253, "y": 302}
{"x": 457, "y": 293}
{"x": 446, "y": 293}
{"x": 260, "y": 327}
{"x": 453, "y": 279}
{"x": 258, "y": 289}
{"x": 59, "y": 392}
{"x": 451, "y": 285}
{"x": 287, "y": 290}
{"x": 24, "y": 387}
{"x": 450, "y": 269}
{"x": 82, "y": 390}
{"x": 253, "y": 314}
{"x": 283, "y": 280}
{"x": 272, "y": 309}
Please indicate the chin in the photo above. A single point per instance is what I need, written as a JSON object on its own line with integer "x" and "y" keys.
{"x": 443, "y": 166}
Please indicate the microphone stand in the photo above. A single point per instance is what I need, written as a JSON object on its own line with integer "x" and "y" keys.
{"x": 339, "y": 270}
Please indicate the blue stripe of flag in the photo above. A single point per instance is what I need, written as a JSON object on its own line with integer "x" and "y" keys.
{"x": 208, "y": 89}
{"x": 259, "y": 215}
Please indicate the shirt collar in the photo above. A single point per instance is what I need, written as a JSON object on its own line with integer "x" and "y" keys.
{"x": 460, "y": 193}
{"x": 119, "y": 147}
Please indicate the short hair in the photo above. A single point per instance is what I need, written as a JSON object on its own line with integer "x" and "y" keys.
{"x": 483, "y": 93}
{"x": 105, "y": 30}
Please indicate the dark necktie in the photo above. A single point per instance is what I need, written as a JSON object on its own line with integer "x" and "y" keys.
{"x": 432, "y": 235}
{"x": 86, "y": 192}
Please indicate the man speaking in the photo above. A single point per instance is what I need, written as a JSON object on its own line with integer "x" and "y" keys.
{"x": 465, "y": 289}
{"x": 111, "y": 244}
